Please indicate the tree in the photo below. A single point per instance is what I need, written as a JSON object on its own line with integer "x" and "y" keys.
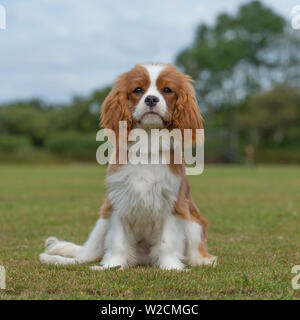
{"x": 25, "y": 118}
{"x": 237, "y": 56}
{"x": 271, "y": 118}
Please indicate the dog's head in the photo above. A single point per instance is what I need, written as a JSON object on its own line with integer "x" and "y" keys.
{"x": 152, "y": 95}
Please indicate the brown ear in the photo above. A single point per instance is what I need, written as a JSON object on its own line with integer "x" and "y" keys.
{"x": 187, "y": 112}
{"x": 115, "y": 107}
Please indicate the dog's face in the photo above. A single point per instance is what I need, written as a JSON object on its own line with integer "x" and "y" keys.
{"x": 152, "y": 96}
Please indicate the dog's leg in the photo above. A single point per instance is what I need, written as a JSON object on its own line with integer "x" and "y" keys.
{"x": 55, "y": 259}
{"x": 119, "y": 250}
{"x": 93, "y": 249}
{"x": 62, "y": 252}
{"x": 196, "y": 251}
{"x": 169, "y": 249}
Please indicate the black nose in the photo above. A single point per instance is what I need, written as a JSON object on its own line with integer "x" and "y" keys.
{"x": 151, "y": 101}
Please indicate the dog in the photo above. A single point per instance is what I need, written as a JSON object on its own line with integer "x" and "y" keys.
{"x": 148, "y": 216}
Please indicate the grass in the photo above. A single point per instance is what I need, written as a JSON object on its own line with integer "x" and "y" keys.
{"x": 255, "y": 232}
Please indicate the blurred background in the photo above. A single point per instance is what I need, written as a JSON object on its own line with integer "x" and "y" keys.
{"x": 59, "y": 59}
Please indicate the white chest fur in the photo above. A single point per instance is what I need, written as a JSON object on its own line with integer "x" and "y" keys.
{"x": 148, "y": 191}
{"x": 143, "y": 196}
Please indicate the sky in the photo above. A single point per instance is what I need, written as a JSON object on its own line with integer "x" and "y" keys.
{"x": 56, "y": 49}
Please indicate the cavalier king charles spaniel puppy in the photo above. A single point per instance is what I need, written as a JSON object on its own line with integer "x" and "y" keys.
{"x": 148, "y": 216}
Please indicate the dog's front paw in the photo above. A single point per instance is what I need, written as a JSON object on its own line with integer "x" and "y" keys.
{"x": 111, "y": 261}
{"x": 170, "y": 263}
{"x": 105, "y": 267}
{"x": 208, "y": 261}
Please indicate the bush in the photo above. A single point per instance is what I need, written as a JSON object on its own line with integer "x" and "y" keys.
{"x": 73, "y": 146}
{"x": 277, "y": 155}
{"x": 18, "y": 149}
{"x": 26, "y": 120}
{"x": 10, "y": 143}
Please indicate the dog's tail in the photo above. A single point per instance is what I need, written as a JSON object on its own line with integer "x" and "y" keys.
{"x": 54, "y": 246}
{"x": 60, "y": 252}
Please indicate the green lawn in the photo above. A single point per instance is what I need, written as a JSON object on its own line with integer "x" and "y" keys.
{"x": 255, "y": 232}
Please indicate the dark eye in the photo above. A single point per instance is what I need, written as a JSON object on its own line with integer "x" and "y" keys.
{"x": 138, "y": 90}
{"x": 167, "y": 90}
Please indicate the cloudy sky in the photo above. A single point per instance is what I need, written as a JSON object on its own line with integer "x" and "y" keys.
{"x": 55, "y": 49}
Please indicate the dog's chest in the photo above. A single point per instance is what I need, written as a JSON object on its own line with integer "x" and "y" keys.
{"x": 143, "y": 190}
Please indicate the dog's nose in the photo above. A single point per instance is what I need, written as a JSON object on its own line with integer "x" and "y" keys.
{"x": 151, "y": 101}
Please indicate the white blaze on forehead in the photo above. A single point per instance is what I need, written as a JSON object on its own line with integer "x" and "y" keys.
{"x": 154, "y": 70}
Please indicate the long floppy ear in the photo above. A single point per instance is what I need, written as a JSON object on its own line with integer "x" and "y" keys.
{"x": 115, "y": 107}
{"x": 187, "y": 112}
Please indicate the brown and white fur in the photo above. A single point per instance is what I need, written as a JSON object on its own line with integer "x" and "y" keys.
{"x": 149, "y": 216}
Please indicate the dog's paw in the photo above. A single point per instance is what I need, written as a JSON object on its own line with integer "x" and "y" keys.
{"x": 104, "y": 267}
{"x": 207, "y": 261}
{"x": 110, "y": 261}
{"x": 171, "y": 263}
{"x": 55, "y": 259}
{"x": 44, "y": 258}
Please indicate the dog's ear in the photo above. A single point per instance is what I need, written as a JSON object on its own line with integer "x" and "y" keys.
{"x": 187, "y": 112}
{"x": 115, "y": 107}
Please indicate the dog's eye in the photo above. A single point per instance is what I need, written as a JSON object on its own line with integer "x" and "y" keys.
{"x": 138, "y": 90}
{"x": 167, "y": 90}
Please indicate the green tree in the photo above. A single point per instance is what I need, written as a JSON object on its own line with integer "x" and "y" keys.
{"x": 25, "y": 118}
{"x": 271, "y": 118}
{"x": 83, "y": 113}
{"x": 235, "y": 57}
{"x": 238, "y": 56}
